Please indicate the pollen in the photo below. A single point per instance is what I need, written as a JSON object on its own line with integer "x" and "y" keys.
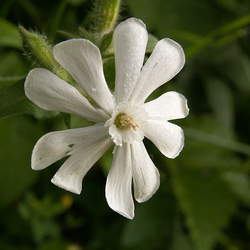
{"x": 125, "y": 122}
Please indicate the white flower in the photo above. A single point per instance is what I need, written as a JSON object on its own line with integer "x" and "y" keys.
{"x": 123, "y": 119}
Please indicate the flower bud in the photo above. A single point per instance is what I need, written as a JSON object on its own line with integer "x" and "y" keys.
{"x": 40, "y": 49}
{"x": 105, "y": 14}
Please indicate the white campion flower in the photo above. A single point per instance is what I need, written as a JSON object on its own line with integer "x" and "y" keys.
{"x": 122, "y": 120}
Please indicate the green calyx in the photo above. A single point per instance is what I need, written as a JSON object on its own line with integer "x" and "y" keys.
{"x": 105, "y": 15}
{"x": 38, "y": 47}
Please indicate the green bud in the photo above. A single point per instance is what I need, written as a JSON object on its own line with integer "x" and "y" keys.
{"x": 105, "y": 15}
{"x": 38, "y": 46}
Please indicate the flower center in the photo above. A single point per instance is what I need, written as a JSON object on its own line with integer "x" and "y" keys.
{"x": 125, "y": 122}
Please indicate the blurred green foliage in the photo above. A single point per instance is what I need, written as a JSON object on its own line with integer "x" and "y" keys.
{"x": 204, "y": 199}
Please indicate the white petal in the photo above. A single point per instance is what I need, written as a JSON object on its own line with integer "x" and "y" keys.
{"x": 164, "y": 63}
{"x": 84, "y": 62}
{"x": 130, "y": 41}
{"x": 169, "y": 106}
{"x": 71, "y": 173}
{"x": 146, "y": 177}
{"x": 50, "y": 92}
{"x": 125, "y": 136}
{"x": 167, "y": 137}
{"x": 56, "y": 145}
{"x": 119, "y": 183}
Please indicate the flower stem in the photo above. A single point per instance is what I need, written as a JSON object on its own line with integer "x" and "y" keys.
{"x": 57, "y": 19}
{"x": 222, "y": 142}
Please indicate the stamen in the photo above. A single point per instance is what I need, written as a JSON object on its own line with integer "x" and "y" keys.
{"x": 124, "y": 122}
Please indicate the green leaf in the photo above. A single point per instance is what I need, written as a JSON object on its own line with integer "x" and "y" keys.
{"x": 238, "y": 73}
{"x": 222, "y": 35}
{"x": 53, "y": 244}
{"x": 234, "y": 6}
{"x": 205, "y": 135}
{"x": 153, "y": 220}
{"x": 18, "y": 136}
{"x": 206, "y": 201}
{"x": 180, "y": 240}
{"x": 218, "y": 141}
{"x": 14, "y": 102}
{"x": 168, "y": 17}
{"x": 40, "y": 213}
{"x": 239, "y": 184}
{"x": 12, "y": 68}
{"x": 9, "y": 35}
{"x": 221, "y": 101}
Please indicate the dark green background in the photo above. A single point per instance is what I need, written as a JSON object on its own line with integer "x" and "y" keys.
{"x": 204, "y": 199}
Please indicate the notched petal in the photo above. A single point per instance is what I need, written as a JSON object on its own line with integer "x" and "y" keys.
{"x": 119, "y": 183}
{"x": 146, "y": 177}
{"x": 169, "y": 106}
{"x": 56, "y": 145}
{"x": 51, "y": 93}
{"x": 83, "y": 60}
{"x": 165, "y": 62}
{"x": 130, "y": 41}
{"x": 70, "y": 175}
{"x": 167, "y": 137}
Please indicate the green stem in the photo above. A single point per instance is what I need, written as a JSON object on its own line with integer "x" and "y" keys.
{"x": 11, "y": 78}
{"x": 216, "y": 140}
{"x": 57, "y": 19}
{"x": 218, "y": 34}
{"x": 66, "y": 35}
{"x": 234, "y": 25}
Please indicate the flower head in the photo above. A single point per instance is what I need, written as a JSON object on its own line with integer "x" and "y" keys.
{"x": 122, "y": 118}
